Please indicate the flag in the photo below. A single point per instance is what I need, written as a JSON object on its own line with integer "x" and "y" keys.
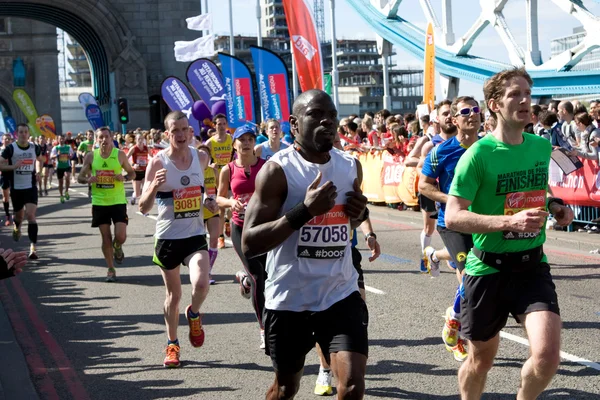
{"x": 272, "y": 82}
{"x": 26, "y": 106}
{"x": 200, "y": 23}
{"x": 429, "y": 73}
{"x": 305, "y": 44}
{"x": 328, "y": 84}
{"x": 207, "y": 81}
{"x": 94, "y": 116}
{"x": 45, "y": 124}
{"x": 85, "y": 99}
{"x": 178, "y": 97}
{"x": 239, "y": 93}
{"x": 199, "y": 48}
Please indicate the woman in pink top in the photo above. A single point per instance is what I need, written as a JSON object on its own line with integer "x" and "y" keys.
{"x": 240, "y": 176}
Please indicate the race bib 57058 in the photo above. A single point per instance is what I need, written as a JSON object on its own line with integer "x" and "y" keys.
{"x": 519, "y": 201}
{"x": 187, "y": 202}
{"x": 325, "y": 236}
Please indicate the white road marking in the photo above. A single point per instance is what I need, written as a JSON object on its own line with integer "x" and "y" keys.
{"x": 566, "y": 356}
{"x": 373, "y": 290}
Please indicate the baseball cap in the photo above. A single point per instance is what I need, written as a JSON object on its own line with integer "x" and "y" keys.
{"x": 242, "y": 130}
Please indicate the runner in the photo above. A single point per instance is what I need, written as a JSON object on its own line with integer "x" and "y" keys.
{"x": 85, "y": 147}
{"x": 211, "y": 220}
{"x": 438, "y": 170}
{"x": 266, "y": 149}
{"x": 5, "y": 178}
{"x": 240, "y": 176}
{"x": 24, "y": 158}
{"x": 139, "y": 157}
{"x": 103, "y": 169}
{"x": 499, "y": 195}
{"x": 64, "y": 154}
{"x": 221, "y": 148}
{"x": 45, "y": 148}
{"x": 70, "y": 140}
{"x": 176, "y": 180}
{"x": 311, "y": 292}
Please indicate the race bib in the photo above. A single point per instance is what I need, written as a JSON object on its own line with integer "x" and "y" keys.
{"x": 211, "y": 191}
{"x": 142, "y": 160}
{"x": 187, "y": 202}
{"x": 26, "y": 166}
{"x": 63, "y": 158}
{"x": 106, "y": 179}
{"x": 519, "y": 201}
{"x": 325, "y": 236}
{"x": 223, "y": 159}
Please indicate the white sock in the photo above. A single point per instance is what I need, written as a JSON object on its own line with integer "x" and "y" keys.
{"x": 434, "y": 257}
{"x": 425, "y": 241}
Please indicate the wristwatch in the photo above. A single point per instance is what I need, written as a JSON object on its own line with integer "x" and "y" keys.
{"x": 370, "y": 235}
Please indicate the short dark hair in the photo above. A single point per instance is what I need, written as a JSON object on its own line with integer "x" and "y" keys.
{"x": 385, "y": 113}
{"x": 22, "y": 125}
{"x": 216, "y": 117}
{"x": 445, "y": 102}
{"x": 536, "y": 110}
{"x": 583, "y": 118}
{"x": 352, "y": 126}
{"x": 173, "y": 116}
{"x": 425, "y": 119}
{"x": 370, "y": 114}
{"x": 580, "y": 109}
{"x": 548, "y": 118}
{"x": 408, "y": 118}
{"x": 461, "y": 99}
{"x": 494, "y": 88}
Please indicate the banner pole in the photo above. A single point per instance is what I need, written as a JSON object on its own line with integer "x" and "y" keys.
{"x": 294, "y": 73}
{"x": 259, "y": 28}
{"x": 334, "y": 70}
{"x": 231, "y": 41}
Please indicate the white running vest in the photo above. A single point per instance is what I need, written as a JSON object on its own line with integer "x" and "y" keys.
{"x": 179, "y": 201}
{"x": 312, "y": 269}
{"x": 23, "y": 176}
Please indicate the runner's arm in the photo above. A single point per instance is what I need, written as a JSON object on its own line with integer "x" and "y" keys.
{"x": 258, "y": 150}
{"x": 414, "y": 156}
{"x": 223, "y": 199}
{"x": 126, "y": 166}
{"x": 429, "y": 187}
{"x": 356, "y": 204}
{"x": 264, "y": 229}
{"x": 86, "y": 169}
{"x": 150, "y": 186}
{"x": 424, "y": 152}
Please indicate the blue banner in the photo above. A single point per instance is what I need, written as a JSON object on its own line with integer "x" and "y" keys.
{"x": 272, "y": 82}
{"x": 94, "y": 116}
{"x": 11, "y": 125}
{"x": 178, "y": 97}
{"x": 239, "y": 91}
{"x": 207, "y": 81}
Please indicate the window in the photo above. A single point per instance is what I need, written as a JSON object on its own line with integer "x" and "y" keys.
{"x": 4, "y": 26}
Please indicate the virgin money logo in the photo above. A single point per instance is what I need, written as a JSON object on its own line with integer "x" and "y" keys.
{"x": 304, "y": 46}
{"x": 516, "y": 200}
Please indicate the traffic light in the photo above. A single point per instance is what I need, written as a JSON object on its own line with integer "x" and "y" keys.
{"x": 123, "y": 110}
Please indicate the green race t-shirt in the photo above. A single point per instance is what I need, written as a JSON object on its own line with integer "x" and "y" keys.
{"x": 63, "y": 154}
{"x": 86, "y": 146}
{"x": 503, "y": 179}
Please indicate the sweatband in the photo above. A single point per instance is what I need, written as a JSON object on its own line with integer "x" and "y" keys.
{"x": 298, "y": 216}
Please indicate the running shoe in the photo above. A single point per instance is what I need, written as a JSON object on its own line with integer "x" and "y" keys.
{"x": 40, "y": 193}
{"x": 172, "y": 357}
{"x": 262, "y": 339}
{"x": 323, "y": 386}
{"x": 7, "y": 221}
{"x": 62, "y": 199}
{"x": 46, "y": 192}
{"x": 433, "y": 267}
{"x": 111, "y": 275}
{"x": 221, "y": 244}
{"x": 118, "y": 253}
{"x": 423, "y": 266}
{"x": 196, "y": 332}
{"x": 211, "y": 281}
{"x": 132, "y": 200}
{"x": 450, "y": 331}
{"x": 16, "y": 234}
{"x": 459, "y": 351}
{"x": 67, "y": 197}
{"x": 242, "y": 279}
{"x": 227, "y": 228}
{"x": 32, "y": 253}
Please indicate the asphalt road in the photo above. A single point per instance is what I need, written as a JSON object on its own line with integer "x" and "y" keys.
{"x": 87, "y": 339}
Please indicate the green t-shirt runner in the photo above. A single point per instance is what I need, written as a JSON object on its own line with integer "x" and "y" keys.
{"x": 503, "y": 179}
{"x": 86, "y": 147}
{"x": 63, "y": 155}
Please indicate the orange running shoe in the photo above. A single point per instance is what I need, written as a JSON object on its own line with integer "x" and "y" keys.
{"x": 172, "y": 358}
{"x": 196, "y": 332}
{"x": 221, "y": 244}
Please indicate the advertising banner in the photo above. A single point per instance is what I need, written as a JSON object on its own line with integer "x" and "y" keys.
{"x": 178, "y": 97}
{"x": 272, "y": 82}
{"x": 581, "y": 187}
{"x": 239, "y": 92}
{"x": 305, "y": 44}
{"x": 26, "y": 106}
{"x": 207, "y": 81}
{"x": 85, "y": 99}
{"x": 429, "y": 73}
{"x": 11, "y": 125}
{"x": 94, "y": 116}
{"x": 45, "y": 124}
{"x": 3, "y": 128}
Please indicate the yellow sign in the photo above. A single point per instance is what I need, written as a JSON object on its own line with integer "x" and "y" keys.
{"x": 429, "y": 70}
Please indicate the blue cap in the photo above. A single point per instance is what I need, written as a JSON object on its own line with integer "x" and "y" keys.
{"x": 242, "y": 130}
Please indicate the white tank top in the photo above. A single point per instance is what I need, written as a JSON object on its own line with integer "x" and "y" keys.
{"x": 23, "y": 176}
{"x": 179, "y": 201}
{"x": 313, "y": 268}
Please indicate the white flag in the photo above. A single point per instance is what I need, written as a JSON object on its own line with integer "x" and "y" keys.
{"x": 200, "y": 23}
{"x": 199, "y": 48}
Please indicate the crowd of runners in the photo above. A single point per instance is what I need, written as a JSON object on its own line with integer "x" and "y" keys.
{"x": 291, "y": 203}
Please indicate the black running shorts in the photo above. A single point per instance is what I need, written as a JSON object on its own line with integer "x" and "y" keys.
{"x": 458, "y": 245}
{"x": 5, "y": 180}
{"x": 489, "y": 299}
{"x": 103, "y": 215}
{"x": 426, "y": 204}
{"x": 290, "y": 335}
{"x": 20, "y": 197}
{"x": 139, "y": 175}
{"x": 171, "y": 253}
{"x": 60, "y": 172}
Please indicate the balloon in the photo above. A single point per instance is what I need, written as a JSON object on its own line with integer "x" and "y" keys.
{"x": 200, "y": 111}
{"x": 219, "y": 107}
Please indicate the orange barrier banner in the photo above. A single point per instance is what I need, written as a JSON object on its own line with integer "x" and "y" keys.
{"x": 386, "y": 179}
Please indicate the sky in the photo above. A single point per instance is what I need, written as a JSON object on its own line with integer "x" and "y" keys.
{"x": 553, "y": 23}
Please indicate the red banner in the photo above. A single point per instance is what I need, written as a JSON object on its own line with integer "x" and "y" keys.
{"x": 305, "y": 44}
{"x": 580, "y": 188}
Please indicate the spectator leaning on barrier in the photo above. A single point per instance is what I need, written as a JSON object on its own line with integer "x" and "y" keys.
{"x": 367, "y": 127}
{"x": 535, "y": 124}
{"x": 549, "y": 119}
{"x": 565, "y": 115}
{"x": 588, "y": 147}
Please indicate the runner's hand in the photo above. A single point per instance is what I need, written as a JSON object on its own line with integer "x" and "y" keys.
{"x": 211, "y": 205}
{"x": 14, "y": 259}
{"x": 18, "y": 164}
{"x": 563, "y": 214}
{"x": 119, "y": 177}
{"x": 373, "y": 245}
{"x": 356, "y": 203}
{"x": 529, "y": 220}
{"x": 92, "y": 179}
{"x": 159, "y": 178}
{"x": 319, "y": 200}
{"x": 237, "y": 207}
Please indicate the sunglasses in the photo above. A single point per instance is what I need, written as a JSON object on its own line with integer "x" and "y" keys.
{"x": 465, "y": 112}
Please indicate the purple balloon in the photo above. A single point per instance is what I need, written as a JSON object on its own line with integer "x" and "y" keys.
{"x": 200, "y": 111}
{"x": 219, "y": 107}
